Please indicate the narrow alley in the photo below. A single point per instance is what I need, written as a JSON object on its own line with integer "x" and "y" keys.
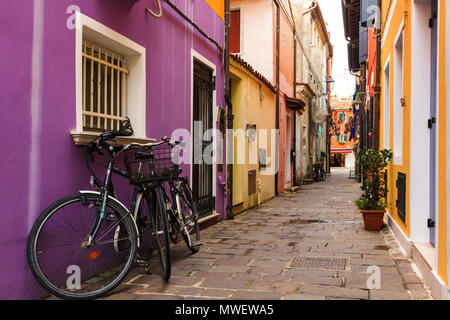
{"x": 308, "y": 244}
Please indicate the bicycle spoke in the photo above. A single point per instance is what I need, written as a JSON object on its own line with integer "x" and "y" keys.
{"x": 55, "y": 244}
{"x": 110, "y": 228}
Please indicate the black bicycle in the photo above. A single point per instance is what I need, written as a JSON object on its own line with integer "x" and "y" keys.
{"x": 84, "y": 245}
{"x": 318, "y": 172}
{"x": 181, "y": 208}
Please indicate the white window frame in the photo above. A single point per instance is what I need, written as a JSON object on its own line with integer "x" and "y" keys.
{"x": 135, "y": 55}
{"x": 398, "y": 84}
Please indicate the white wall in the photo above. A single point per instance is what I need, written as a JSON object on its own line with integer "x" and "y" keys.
{"x": 257, "y": 35}
{"x": 350, "y": 160}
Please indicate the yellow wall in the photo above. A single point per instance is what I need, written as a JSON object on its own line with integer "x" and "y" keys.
{"x": 218, "y": 6}
{"x": 387, "y": 50}
{"x": 249, "y": 109}
{"x": 442, "y": 151}
{"x": 390, "y": 33}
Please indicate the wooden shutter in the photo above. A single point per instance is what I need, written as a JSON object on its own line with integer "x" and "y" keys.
{"x": 235, "y": 31}
{"x": 401, "y": 196}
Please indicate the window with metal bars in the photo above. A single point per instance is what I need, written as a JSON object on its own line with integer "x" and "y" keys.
{"x": 104, "y": 88}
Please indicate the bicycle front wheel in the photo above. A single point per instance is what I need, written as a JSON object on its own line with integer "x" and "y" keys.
{"x": 160, "y": 230}
{"x": 61, "y": 262}
{"x": 188, "y": 208}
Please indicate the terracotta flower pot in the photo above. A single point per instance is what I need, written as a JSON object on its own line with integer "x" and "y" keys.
{"x": 373, "y": 219}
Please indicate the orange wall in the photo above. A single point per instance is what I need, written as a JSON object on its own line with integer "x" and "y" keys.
{"x": 218, "y": 6}
{"x": 387, "y": 50}
{"x": 442, "y": 149}
{"x": 286, "y": 56}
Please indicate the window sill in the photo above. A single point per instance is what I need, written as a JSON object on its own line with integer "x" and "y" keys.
{"x": 82, "y": 139}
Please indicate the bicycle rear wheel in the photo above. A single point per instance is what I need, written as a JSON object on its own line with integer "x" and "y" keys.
{"x": 188, "y": 208}
{"x": 66, "y": 268}
{"x": 160, "y": 230}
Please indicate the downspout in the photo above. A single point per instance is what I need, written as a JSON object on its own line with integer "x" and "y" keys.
{"x": 377, "y": 89}
{"x": 187, "y": 19}
{"x": 229, "y": 117}
{"x": 295, "y": 112}
{"x": 277, "y": 107}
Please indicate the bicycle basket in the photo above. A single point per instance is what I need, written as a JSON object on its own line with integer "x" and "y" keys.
{"x": 150, "y": 165}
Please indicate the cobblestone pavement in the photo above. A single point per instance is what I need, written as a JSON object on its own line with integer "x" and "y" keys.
{"x": 265, "y": 253}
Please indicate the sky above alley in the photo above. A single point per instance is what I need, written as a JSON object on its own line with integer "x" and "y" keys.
{"x": 332, "y": 13}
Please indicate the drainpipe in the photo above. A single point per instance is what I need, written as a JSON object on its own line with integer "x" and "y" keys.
{"x": 377, "y": 89}
{"x": 187, "y": 19}
{"x": 295, "y": 96}
{"x": 294, "y": 31}
{"x": 277, "y": 107}
{"x": 229, "y": 112}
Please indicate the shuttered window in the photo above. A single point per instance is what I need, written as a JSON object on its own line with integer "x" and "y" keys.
{"x": 235, "y": 31}
{"x": 401, "y": 196}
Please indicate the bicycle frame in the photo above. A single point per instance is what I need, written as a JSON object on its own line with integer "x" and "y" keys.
{"x": 174, "y": 185}
{"x": 107, "y": 192}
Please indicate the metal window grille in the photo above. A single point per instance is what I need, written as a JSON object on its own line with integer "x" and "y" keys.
{"x": 104, "y": 88}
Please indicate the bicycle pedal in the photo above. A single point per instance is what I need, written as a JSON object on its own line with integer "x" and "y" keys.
{"x": 144, "y": 222}
{"x": 143, "y": 261}
{"x": 197, "y": 243}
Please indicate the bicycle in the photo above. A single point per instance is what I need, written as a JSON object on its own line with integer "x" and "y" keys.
{"x": 182, "y": 209}
{"x": 318, "y": 172}
{"x": 84, "y": 245}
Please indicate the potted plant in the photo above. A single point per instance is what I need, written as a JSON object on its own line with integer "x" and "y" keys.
{"x": 371, "y": 202}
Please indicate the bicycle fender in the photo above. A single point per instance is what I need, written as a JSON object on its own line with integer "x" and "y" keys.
{"x": 120, "y": 204}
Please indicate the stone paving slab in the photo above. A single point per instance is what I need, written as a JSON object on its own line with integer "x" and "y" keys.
{"x": 251, "y": 256}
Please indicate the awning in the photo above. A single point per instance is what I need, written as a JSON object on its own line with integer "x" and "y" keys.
{"x": 294, "y": 104}
{"x": 333, "y": 151}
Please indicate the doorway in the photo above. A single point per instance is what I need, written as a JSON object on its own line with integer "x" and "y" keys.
{"x": 202, "y": 173}
{"x": 288, "y": 151}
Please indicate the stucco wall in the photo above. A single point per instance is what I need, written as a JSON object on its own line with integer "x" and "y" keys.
{"x": 253, "y": 104}
{"x": 257, "y": 40}
{"x": 40, "y": 162}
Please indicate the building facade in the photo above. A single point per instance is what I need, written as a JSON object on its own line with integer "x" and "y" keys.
{"x": 74, "y": 68}
{"x": 254, "y": 159}
{"x": 262, "y": 34}
{"x": 314, "y": 54}
{"x": 404, "y": 108}
{"x": 342, "y": 118}
{"x": 414, "y": 125}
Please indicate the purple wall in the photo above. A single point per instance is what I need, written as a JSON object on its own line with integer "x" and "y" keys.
{"x": 57, "y": 168}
